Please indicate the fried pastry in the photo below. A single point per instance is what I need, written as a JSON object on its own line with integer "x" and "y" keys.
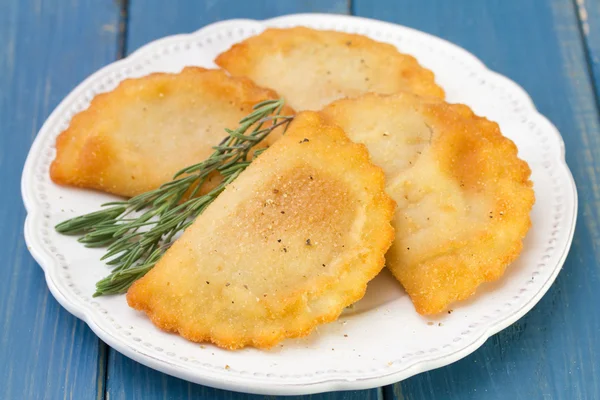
{"x": 463, "y": 195}
{"x": 311, "y": 68}
{"x": 287, "y": 246}
{"x": 136, "y": 137}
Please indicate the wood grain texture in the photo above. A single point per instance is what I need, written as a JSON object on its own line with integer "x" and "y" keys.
{"x": 130, "y": 380}
{"x": 147, "y": 21}
{"x": 554, "y": 351}
{"x": 588, "y": 12}
{"x": 46, "y": 48}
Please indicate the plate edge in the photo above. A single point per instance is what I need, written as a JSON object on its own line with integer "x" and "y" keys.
{"x": 325, "y": 385}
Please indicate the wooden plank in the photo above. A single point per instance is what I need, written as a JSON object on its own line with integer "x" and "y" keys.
{"x": 589, "y": 24}
{"x": 554, "y": 351}
{"x": 127, "y": 379}
{"x": 46, "y": 48}
{"x": 130, "y": 380}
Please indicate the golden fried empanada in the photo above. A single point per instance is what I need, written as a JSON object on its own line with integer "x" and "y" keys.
{"x": 290, "y": 243}
{"x": 311, "y": 68}
{"x": 136, "y": 137}
{"x": 463, "y": 195}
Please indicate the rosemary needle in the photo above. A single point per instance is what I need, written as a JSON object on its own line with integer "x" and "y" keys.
{"x": 138, "y": 231}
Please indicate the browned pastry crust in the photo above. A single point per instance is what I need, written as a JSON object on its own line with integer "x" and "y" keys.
{"x": 463, "y": 195}
{"x": 287, "y": 246}
{"x": 137, "y": 136}
{"x": 311, "y": 68}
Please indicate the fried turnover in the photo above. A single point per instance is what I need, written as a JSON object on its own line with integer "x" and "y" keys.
{"x": 311, "y": 68}
{"x": 288, "y": 245}
{"x": 463, "y": 195}
{"x": 136, "y": 137}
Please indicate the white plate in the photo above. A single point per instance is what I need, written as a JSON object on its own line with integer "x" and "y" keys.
{"x": 382, "y": 340}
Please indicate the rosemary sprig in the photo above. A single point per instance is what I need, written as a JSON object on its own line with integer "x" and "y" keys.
{"x": 138, "y": 231}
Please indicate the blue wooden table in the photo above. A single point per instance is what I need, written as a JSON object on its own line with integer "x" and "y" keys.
{"x": 550, "y": 47}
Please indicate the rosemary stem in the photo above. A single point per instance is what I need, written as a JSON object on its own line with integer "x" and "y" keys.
{"x": 171, "y": 208}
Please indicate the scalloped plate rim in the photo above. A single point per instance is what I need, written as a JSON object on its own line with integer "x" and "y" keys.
{"x": 263, "y": 386}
